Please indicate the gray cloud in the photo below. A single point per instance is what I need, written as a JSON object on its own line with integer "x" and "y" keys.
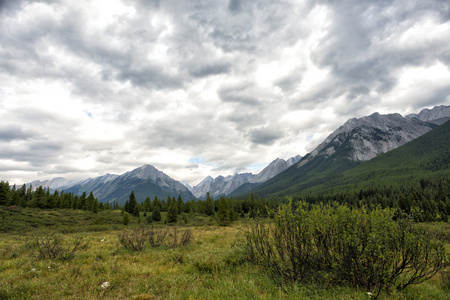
{"x": 353, "y": 53}
{"x": 234, "y": 82}
{"x": 241, "y": 94}
{"x": 208, "y": 69}
{"x": 264, "y": 136}
{"x": 9, "y": 133}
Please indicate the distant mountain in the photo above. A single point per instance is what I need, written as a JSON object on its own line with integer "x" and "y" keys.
{"x": 226, "y": 185}
{"x": 426, "y": 157}
{"x": 438, "y": 115}
{"x": 186, "y": 184}
{"x": 53, "y": 184}
{"x": 146, "y": 181}
{"x": 356, "y": 141}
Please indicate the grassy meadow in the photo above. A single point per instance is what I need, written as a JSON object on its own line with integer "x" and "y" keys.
{"x": 211, "y": 266}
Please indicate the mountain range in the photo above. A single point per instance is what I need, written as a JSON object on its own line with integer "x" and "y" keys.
{"x": 147, "y": 181}
{"x": 226, "y": 185}
{"x": 356, "y": 141}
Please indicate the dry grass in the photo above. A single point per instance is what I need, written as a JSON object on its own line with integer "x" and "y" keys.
{"x": 207, "y": 268}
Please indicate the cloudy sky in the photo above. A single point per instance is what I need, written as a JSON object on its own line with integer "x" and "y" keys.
{"x": 204, "y": 87}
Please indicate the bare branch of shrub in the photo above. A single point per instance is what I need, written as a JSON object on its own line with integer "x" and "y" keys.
{"x": 186, "y": 237}
{"x": 156, "y": 237}
{"x": 133, "y": 239}
{"x": 53, "y": 246}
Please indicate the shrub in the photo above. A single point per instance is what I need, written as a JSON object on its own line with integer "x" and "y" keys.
{"x": 133, "y": 239}
{"x": 126, "y": 218}
{"x": 186, "y": 237}
{"x": 53, "y": 246}
{"x": 156, "y": 237}
{"x": 335, "y": 245}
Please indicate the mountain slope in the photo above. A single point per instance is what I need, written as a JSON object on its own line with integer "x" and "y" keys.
{"x": 356, "y": 141}
{"x": 145, "y": 181}
{"x": 424, "y": 157}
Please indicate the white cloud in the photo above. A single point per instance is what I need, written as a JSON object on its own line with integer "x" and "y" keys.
{"x": 88, "y": 88}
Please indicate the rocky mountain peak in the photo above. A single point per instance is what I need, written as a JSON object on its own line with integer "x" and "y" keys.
{"x": 366, "y": 137}
{"x": 226, "y": 185}
{"x": 438, "y": 114}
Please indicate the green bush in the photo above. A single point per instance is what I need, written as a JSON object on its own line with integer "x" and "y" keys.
{"x": 331, "y": 244}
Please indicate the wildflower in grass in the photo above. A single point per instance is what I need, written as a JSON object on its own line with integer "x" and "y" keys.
{"x": 369, "y": 294}
{"x": 105, "y": 284}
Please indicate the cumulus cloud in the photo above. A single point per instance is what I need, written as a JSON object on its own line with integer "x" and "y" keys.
{"x": 88, "y": 88}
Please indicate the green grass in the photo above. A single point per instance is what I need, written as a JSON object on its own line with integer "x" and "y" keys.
{"x": 212, "y": 266}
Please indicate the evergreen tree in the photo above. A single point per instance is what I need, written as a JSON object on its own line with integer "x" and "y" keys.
{"x": 172, "y": 212}
{"x": 147, "y": 204}
{"x": 127, "y": 206}
{"x": 180, "y": 205}
{"x": 209, "y": 205}
{"x": 156, "y": 203}
{"x": 90, "y": 201}
{"x": 5, "y": 195}
{"x": 136, "y": 211}
{"x": 156, "y": 214}
{"x": 223, "y": 214}
{"x": 95, "y": 206}
{"x": 133, "y": 207}
{"x": 81, "y": 203}
{"x": 38, "y": 200}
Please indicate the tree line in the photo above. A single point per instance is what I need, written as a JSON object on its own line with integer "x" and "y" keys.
{"x": 44, "y": 199}
{"x": 224, "y": 209}
{"x": 428, "y": 200}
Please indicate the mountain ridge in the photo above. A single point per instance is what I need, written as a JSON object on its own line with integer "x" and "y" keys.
{"x": 221, "y": 185}
{"x": 356, "y": 141}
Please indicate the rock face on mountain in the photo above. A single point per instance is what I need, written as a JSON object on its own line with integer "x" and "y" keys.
{"x": 145, "y": 181}
{"x": 226, "y": 185}
{"x": 364, "y": 138}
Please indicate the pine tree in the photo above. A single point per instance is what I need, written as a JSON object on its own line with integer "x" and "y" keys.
{"x": 209, "y": 205}
{"x": 147, "y": 204}
{"x": 172, "y": 212}
{"x": 180, "y": 205}
{"x": 157, "y": 203}
{"x": 133, "y": 205}
{"x": 127, "y": 206}
{"x": 82, "y": 201}
{"x": 5, "y": 195}
{"x": 95, "y": 206}
{"x": 38, "y": 200}
{"x": 156, "y": 214}
{"x": 90, "y": 201}
{"x": 223, "y": 214}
